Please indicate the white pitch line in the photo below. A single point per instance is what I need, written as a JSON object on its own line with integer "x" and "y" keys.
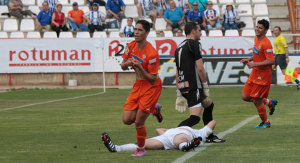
{"x": 221, "y": 135}
{"x": 47, "y": 102}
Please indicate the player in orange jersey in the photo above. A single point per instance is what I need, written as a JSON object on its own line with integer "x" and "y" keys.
{"x": 257, "y": 87}
{"x": 144, "y": 59}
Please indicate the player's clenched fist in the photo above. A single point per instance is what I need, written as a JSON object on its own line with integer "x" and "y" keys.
{"x": 181, "y": 103}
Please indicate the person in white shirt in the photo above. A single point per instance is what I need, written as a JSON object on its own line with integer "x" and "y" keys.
{"x": 212, "y": 17}
{"x": 230, "y": 15}
{"x": 94, "y": 18}
{"x": 127, "y": 30}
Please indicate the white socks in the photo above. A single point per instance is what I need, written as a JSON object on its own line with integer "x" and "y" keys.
{"x": 126, "y": 147}
{"x": 181, "y": 145}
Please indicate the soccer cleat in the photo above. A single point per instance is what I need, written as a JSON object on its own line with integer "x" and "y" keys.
{"x": 139, "y": 152}
{"x": 192, "y": 144}
{"x": 214, "y": 139}
{"x": 263, "y": 125}
{"x": 158, "y": 114}
{"x": 298, "y": 86}
{"x": 108, "y": 143}
{"x": 272, "y": 108}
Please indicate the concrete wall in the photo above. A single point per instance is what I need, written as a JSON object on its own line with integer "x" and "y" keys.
{"x": 55, "y": 79}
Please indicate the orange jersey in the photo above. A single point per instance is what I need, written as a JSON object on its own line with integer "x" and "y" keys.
{"x": 148, "y": 56}
{"x": 263, "y": 50}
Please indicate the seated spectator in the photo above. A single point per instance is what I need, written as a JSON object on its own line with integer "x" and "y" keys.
{"x": 174, "y": 17}
{"x": 4, "y": 2}
{"x": 161, "y": 34}
{"x": 100, "y": 2}
{"x": 197, "y": 16}
{"x": 179, "y": 33}
{"x": 15, "y": 8}
{"x": 201, "y": 6}
{"x": 59, "y": 20}
{"x": 115, "y": 9}
{"x": 127, "y": 30}
{"x": 94, "y": 18}
{"x": 212, "y": 17}
{"x": 230, "y": 15}
{"x": 161, "y": 7}
{"x": 181, "y": 4}
{"x": 146, "y": 9}
{"x": 44, "y": 18}
{"x": 51, "y": 4}
{"x": 76, "y": 19}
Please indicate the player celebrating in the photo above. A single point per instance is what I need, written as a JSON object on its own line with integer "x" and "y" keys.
{"x": 281, "y": 52}
{"x": 183, "y": 138}
{"x": 144, "y": 59}
{"x": 191, "y": 80}
{"x": 257, "y": 87}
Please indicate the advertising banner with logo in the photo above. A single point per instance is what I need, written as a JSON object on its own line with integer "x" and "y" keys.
{"x": 219, "y": 71}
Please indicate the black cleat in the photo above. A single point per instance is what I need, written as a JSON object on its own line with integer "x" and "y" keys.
{"x": 214, "y": 139}
{"x": 158, "y": 114}
{"x": 298, "y": 86}
{"x": 108, "y": 143}
{"x": 192, "y": 144}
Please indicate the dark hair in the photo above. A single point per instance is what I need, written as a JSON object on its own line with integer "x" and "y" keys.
{"x": 189, "y": 27}
{"x": 130, "y": 18}
{"x": 264, "y": 22}
{"x": 278, "y": 28}
{"x": 145, "y": 24}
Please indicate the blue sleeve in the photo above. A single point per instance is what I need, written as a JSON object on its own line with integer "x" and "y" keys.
{"x": 202, "y": 14}
{"x": 39, "y": 15}
{"x": 122, "y": 3}
{"x": 108, "y": 5}
{"x": 189, "y": 15}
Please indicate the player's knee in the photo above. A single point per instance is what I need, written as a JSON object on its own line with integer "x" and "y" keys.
{"x": 246, "y": 98}
{"x": 128, "y": 121}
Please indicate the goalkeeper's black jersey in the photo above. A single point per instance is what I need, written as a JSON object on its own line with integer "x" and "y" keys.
{"x": 186, "y": 55}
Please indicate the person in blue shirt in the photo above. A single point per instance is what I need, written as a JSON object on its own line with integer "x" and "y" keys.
{"x": 197, "y": 16}
{"x": 115, "y": 9}
{"x": 174, "y": 17}
{"x": 44, "y": 18}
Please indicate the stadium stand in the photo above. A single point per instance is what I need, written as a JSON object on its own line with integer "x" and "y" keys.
{"x": 10, "y": 25}
{"x": 248, "y": 21}
{"x": 231, "y": 33}
{"x": 259, "y": 1}
{"x": 203, "y": 32}
{"x": 247, "y": 8}
{"x": 3, "y": 9}
{"x": 33, "y": 35}
{"x": 248, "y": 32}
{"x": 64, "y": 2}
{"x": 114, "y": 34}
{"x": 131, "y": 11}
{"x": 168, "y": 33}
{"x": 27, "y": 25}
{"x": 152, "y": 34}
{"x": 50, "y": 34}
{"x": 242, "y": 1}
{"x": 215, "y": 33}
{"x": 16, "y": 35}
{"x": 260, "y": 10}
{"x": 128, "y": 2}
{"x": 99, "y": 35}
{"x": 222, "y": 2}
{"x": 160, "y": 24}
{"x": 80, "y": 2}
{"x": 28, "y": 2}
{"x": 83, "y": 35}
{"x": 65, "y": 35}
{"x": 3, "y": 35}
{"x": 34, "y": 9}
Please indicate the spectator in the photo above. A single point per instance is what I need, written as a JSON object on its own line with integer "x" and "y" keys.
{"x": 174, "y": 17}
{"x": 161, "y": 7}
{"x": 15, "y": 8}
{"x": 100, "y": 2}
{"x": 230, "y": 15}
{"x": 179, "y": 33}
{"x": 181, "y": 4}
{"x": 127, "y": 30}
{"x": 201, "y": 6}
{"x": 212, "y": 17}
{"x": 76, "y": 18}
{"x": 115, "y": 9}
{"x": 146, "y": 9}
{"x": 94, "y": 18}
{"x": 43, "y": 20}
{"x": 59, "y": 20}
{"x": 161, "y": 34}
{"x": 51, "y": 4}
{"x": 197, "y": 16}
{"x": 4, "y": 2}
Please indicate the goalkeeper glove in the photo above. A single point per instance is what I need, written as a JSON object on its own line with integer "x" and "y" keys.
{"x": 181, "y": 103}
{"x": 205, "y": 89}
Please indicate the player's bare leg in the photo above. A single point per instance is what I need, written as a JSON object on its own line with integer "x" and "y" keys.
{"x": 129, "y": 117}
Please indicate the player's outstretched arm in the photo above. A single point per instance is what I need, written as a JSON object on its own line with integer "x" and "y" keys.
{"x": 264, "y": 63}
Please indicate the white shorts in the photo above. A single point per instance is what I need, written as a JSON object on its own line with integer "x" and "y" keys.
{"x": 167, "y": 139}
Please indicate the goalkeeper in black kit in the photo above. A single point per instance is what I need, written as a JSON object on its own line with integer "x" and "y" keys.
{"x": 191, "y": 81}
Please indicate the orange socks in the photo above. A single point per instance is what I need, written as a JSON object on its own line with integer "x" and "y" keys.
{"x": 267, "y": 101}
{"x": 262, "y": 113}
{"x": 141, "y": 134}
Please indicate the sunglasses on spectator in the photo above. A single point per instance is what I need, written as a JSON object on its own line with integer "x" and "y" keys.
{"x": 195, "y": 5}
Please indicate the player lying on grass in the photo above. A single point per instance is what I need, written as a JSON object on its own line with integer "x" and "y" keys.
{"x": 183, "y": 138}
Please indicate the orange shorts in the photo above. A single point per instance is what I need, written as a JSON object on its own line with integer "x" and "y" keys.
{"x": 143, "y": 96}
{"x": 256, "y": 91}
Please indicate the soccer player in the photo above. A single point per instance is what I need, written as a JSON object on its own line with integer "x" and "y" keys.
{"x": 281, "y": 52}
{"x": 257, "y": 87}
{"x": 144, "y": 59}
{"x": 183, "y": 138}
{"x": 191, "y": 80}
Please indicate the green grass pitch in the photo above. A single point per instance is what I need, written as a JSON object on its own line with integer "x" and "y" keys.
{"x": 69, "y": 131}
